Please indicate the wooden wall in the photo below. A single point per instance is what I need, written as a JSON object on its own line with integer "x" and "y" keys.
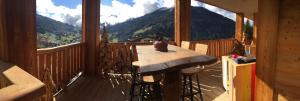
{"x": 266, "y": 49}
{"x": 278, "y": 51}
{"x": 287, "y": 81}
{"x": 18, "y": 33}
{"x": 3, "y": 45}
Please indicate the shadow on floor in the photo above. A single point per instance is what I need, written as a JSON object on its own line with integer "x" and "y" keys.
{"x": 116, "y": 87}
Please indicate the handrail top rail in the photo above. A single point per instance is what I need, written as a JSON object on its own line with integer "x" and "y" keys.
{"x": 130, "y": 43}
{"x": 23, "y": 86}
{"x": 58, "y": 48}
{"x": 171, "y": 41}
{"x": 214, "y": 40}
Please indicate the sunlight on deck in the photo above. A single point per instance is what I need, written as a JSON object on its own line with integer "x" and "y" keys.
{"x": 116, "y": 87}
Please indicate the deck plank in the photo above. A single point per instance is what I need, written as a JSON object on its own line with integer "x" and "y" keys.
{"x": 115, "y": 88}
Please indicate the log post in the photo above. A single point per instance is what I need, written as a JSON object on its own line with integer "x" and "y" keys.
{"x": 268, "y": 11}
{"x": 255, "y": 22}
{"x": 18, "y": 33}
{"x": 91, "y": 24}
{"x": 239, "y": 26}
{"x": 182, "y": 21}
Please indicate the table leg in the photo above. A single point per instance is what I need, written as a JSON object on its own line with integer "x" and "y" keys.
{"x": 172, "y": 86}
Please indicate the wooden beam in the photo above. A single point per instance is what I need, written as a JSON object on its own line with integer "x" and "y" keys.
{"x": 267, "y": 27}
{"x": 18, "y": 33}
{"x": 182, "y": 21}
{"x": 91, "y": 23}
{"x": 255, "y": 23}
{"x": 3, "y": 37}
{"x": 239, "y": 26}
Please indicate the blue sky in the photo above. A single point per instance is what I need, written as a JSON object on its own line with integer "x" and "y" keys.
{"x": 74, "y": 3}
{"x": 112, "y": 11}
{"x": 67, "y": 3}
{"x": 109, "y": 2}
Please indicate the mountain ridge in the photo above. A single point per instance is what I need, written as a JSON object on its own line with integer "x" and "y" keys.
{"x": 205, "y": 25}
{"x": 48, "y": 25}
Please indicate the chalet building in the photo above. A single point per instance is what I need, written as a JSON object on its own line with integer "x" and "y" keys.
{"x": 142, "y": 39}
{"x": 78, "y": 71}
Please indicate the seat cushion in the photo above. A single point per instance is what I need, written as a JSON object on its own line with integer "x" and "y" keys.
{"x": 191, "y": 70}
{"x": 152, "y": 78}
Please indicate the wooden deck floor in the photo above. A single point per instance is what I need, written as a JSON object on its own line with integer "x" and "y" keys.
{"x": 116, "y": 88}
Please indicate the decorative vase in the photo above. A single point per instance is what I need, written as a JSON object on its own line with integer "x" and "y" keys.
{"x": 161, "y": 46}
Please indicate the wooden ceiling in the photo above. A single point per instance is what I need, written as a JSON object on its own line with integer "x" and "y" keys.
{"x": 248, "y": 7}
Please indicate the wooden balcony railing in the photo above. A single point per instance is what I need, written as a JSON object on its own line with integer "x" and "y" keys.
{"x": 117, "y": 57}
{"x": 216, "y": 48}
{"x": 63, "y": 63}
{"x": 16, "y": 84}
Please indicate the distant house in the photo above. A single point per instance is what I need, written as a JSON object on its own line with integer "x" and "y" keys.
{"x": 143, "y": 39}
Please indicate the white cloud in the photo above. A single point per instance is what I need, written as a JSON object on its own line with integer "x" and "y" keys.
{"x": 196, "y": 3}
{"x": 119, "y": 12}
{"x": 223, "y": 12}
{"x": 122, "y": 12}
{"x": 167, "y": 3}
{"x": 60, "y": 13}
{"x": 115, "y": 13}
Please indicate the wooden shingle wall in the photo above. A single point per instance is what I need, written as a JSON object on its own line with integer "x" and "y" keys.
{"x": 278, "y": 51}
{"x": 287, "y": 81}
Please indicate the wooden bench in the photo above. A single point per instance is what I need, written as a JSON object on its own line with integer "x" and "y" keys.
{"x": 16, "y": 84}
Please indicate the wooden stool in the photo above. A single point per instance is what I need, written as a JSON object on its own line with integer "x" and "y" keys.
{"x": 149, "y": 85}
{"x": 188, "y": 83}
{"x": 150, "y": 88}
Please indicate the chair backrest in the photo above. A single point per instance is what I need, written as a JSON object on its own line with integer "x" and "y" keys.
{"x": 185, "y": 44}
{"x": 133, "y": 57}
{"x": 201, "y": 48}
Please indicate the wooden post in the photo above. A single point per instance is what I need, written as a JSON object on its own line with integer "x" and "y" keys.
{"x": 182, "y": 21}
{"x": 255, "y": 21}
{"x": 3, "y": 37}
{"x": 239, "y": 26}
{"x": 267, "y": 28}
{"x": 18, "y": 33}
{"x": 91, "y": 24}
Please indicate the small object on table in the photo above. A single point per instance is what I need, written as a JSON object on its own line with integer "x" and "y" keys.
{"x": 161, "y": 45}
{"x": 235, "y": 56}
{"x": 243, "y": 60}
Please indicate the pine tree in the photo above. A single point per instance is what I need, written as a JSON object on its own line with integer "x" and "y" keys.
{"x": 248, "y": 30}
{"x": 105, "y": 54}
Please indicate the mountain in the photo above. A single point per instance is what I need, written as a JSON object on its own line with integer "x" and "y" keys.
{"x": 45, "y": 24}
{"x": 204, "y": 25}
{"x": 52, "y": 33}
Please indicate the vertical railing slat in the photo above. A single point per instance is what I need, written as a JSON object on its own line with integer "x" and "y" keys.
{"x": 59, "y": 68}
{"x": 41, "y": 65}
{"x": 54, "y": 67}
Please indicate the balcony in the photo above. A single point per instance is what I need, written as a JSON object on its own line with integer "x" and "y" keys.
{"x": 61, "y": 69}
{"x": 66, "y": 63}
{"x": 72, "y": 71}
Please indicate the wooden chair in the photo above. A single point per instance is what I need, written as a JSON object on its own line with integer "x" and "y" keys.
{"x": 185, "y": 44}
{"x": 201, "y": 48}
{"x": 149, "y": 85}
{"x": 189, "y": 72}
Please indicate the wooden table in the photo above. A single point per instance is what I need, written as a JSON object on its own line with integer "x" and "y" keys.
{"x": 170, "y": 63}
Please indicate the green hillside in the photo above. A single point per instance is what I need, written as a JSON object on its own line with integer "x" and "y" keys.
{"x": 51, "y": 33}
{"x": 204, "y": 25}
